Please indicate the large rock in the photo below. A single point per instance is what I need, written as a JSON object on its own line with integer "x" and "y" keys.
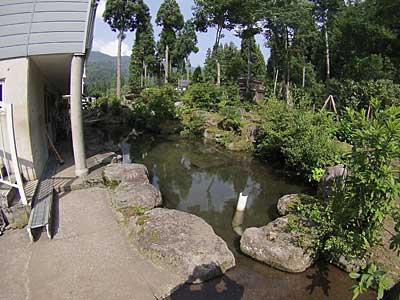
{"x": 17, "y": 216}
{"x": 183, "y": 242}
{"x": 131, "y": 173}
{"x": 274, "y": 246}
{"x": 333, "y": 175}
{"x": 133, "y": 199}
{"x": 287, "y": 203}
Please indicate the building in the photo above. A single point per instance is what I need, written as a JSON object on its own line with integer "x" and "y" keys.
{"x": 43, "y": 47}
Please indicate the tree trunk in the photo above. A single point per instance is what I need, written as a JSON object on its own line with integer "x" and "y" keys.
{"x": 120, "y": 38}
{"x": 288, "y": 66}
{"x": 141, "y": 76}
{"x": 145, "y": 74}
{"x": 187, "y": 68}
{"x": 216, "y": 45}
{"x": 248, "y": 67}
{"x": 304, "y": 76}
{"x": 327, "y": 51}
{"x": 166, "y": 67}
{"x": 218, "y": 73}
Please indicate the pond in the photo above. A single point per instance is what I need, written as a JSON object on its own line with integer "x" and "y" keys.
{"x": 206, "y": 180}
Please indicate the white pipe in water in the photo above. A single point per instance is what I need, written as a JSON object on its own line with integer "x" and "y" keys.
{"x": 241, "y": 205}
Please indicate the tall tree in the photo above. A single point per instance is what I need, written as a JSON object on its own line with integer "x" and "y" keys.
{"x": 252, "y": 54}
{"x": 325, "y": 12}
{"x": 143, "y": 58}
{"x": 120, "y": 15}
{"x": 169, "y": 16}
{"x": 283, "y": 20}
{"x": 218, "y": 14}
{"x": 186, "y": 44}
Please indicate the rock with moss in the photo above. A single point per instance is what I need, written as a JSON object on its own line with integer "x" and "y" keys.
{"x": 286, "y": 204}
{"x": 183, "y": 242}
{"x": 278, "y": 247}
{"x": 349, "y": 264}
{"x": 131, "y": 173}
{"x": 131, "y": 199}
{"x": 332, "y": 176}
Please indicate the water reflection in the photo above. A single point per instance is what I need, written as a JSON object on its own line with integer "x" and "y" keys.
{"x": 206, "y": 181}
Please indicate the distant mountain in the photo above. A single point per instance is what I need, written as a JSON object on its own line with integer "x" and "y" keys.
{"x": 101, "y": 70}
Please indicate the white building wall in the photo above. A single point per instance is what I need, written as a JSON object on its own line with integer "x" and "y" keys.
{"x": 24, "y": 88}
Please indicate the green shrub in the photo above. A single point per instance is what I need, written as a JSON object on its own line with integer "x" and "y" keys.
{"x": 305, "y": 140}
{"x": 358, "y": 95}
{"x": 155, "y": 106}
{"x": 210, "y": 97}
{"x": 194, "y": 127}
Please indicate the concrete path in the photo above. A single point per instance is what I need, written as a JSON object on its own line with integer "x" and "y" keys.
{"x": 89, "y": 258}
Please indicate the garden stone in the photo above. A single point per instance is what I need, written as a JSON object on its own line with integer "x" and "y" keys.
{"x": 129, "y": 197}
{"x": 349, "y": 264}
{"x": 17, "y": 216}
{"x": 132, "y": 173}
{"x": 286, "y": 204}
{"x": 332, "y": 176}
{"x": 278, "y": 248}
{"x": 253, "y": 133}
{"x": 183, "y": 242}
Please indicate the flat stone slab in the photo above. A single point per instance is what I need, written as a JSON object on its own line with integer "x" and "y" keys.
{"x": 132, "y": 173}
{"x": 131, "y": 198}
{"x": 183, "y": 242}
{"x": 274, "y": 246}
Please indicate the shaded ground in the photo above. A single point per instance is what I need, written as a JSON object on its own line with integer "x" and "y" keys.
{"x": 89, "y": 257}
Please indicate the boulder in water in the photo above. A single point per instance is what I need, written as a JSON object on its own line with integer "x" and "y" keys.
{"x": 183, "y": 242}
{"x": 275, "y": 246}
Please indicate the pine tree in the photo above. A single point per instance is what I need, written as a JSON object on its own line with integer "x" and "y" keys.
{"x": 185, "y": 45}
{"x": 143, "y": 60}
{"x": 169, "y": 16}
{"x": 121, "y": 16}
{"x": 256, "y": 59}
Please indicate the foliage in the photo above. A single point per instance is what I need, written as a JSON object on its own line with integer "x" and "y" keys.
{"x": 371, "y": 277}
{"x": 186, "y": 43}
{"x": 120, "y": 15}
{"x": 303, "y": 139}
{"x": 194, "y": 127}
{"x": 169, "y": 16}
{"x": 209, "y": 96}
{"x": 357, "y": 95}
{"x": 197, "y": 75}
{"x": 154, "y": 107}
{"x": 143, "y": 51}
{"x": 254, "y": 57}
{"x": 351, "y": 220}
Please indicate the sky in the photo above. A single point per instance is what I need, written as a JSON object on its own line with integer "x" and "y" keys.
{"x": 105, "y": 40}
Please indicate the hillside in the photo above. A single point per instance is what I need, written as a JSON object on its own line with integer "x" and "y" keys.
{"x": 101, "y": 70}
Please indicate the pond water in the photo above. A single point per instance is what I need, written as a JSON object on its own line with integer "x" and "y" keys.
{"x": 206, "y": 180}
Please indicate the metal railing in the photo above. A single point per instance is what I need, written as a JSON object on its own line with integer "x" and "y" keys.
{"x": 8, "y": 152}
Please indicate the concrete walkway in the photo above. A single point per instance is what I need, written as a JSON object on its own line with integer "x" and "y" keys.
{"x": 89, "y": 258}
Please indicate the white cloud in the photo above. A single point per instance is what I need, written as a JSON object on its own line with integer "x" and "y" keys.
{"x": 110, "y": 48}
{"x": 100, "y": 9}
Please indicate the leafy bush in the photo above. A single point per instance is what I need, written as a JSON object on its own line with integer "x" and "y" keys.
{"x": 305, "y": 140}
{"x": 371, "y": 277}
{"x": 351, "y": 220}
{"x": 194, "y": 127}
{"x": 210, "y": 97}
{"x": 358, "y": 95}
{"x": 155, "y": 106}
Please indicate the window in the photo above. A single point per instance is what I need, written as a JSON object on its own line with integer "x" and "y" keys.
{"x": 2, "y": 96}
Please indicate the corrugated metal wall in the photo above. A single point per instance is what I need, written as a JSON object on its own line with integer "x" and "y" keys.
{"x": 34, "y": 27}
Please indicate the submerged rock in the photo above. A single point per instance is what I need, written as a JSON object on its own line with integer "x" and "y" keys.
{"x": 183, "y": 242}
{"x": 133, "y": 199}
{"x": 132, "y": 173}
{"x": 274, "y": 246}
{"x": 287, "y": 203}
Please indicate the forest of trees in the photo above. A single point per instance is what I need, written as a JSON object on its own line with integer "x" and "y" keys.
{"x": 320, "y": 47}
